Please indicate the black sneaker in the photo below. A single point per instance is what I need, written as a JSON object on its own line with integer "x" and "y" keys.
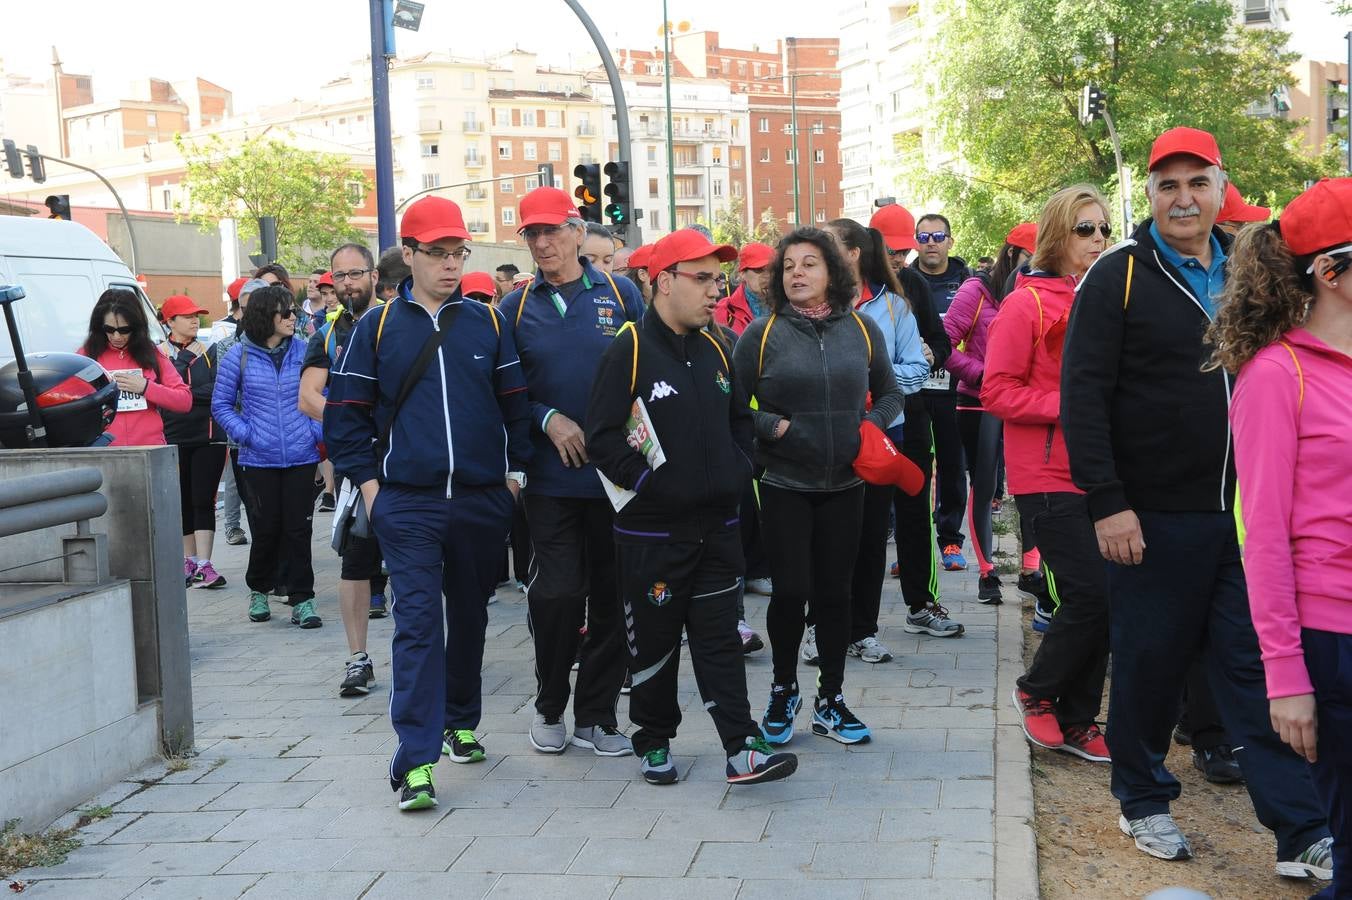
{"x": 1218, "y": 765}
{"x": 462, "y": 746}
{"x": 1182, "y": 738}
{"x": 361, "y": 674}
{"x": 416, "y": 791}
{"x": 988, "y": 590}
{"x": 327, "y": 502}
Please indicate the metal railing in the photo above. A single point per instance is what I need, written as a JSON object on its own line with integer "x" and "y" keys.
{"x": 34, "y": 502}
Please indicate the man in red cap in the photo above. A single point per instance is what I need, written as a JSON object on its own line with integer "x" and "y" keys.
{"x": 563, "y": 320}
{"x": 428, "y": 417}
{"x": 1235, "y": 213}
{"x": 745, "y": 304}
{"x": 676, "y": 535}
{"x": 1149, "y": 441}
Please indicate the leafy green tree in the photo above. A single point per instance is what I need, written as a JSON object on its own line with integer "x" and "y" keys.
{"x": 730, "y": 225}
{"x": 1006, "y": 94}
{"x": 311, "y": 195}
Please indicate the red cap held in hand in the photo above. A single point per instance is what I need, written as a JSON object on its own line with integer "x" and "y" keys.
{"x": 432, "y": 219}
{"x": 897, "y": 225}
{"x": 880, "y": 462}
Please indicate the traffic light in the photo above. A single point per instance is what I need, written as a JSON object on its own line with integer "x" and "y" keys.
{"x": 588, "y": 193}
{"x": 59, "y": 206}
{"x": 618, "y": 210}
{"x": 36, "y": 169}
{"x": 1091, "y": 103}
{"x": 13, "y": 160}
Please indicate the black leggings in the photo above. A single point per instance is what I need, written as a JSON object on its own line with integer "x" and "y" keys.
{"x": 199, "y": 475}
{"x": 281, "y": 517}
{"x": 811, "y": 539}
{"x": 982, "y": 446}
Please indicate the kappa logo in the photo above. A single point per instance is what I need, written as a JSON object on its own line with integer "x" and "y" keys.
{"x": 659, "y": 594}
{"x": 661, "y": 390}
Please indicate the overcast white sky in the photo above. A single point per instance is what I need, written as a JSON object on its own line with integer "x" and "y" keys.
{"x": 270, "y": 50}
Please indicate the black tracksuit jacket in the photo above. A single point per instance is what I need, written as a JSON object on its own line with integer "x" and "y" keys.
{"x": 1146, "y": 428}
{"x": 700, "y": 415}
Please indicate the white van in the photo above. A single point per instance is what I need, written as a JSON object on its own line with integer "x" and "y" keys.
{"x": 63, "y": 268}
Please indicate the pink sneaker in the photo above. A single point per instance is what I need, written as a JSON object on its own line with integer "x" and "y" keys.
{"x": 189, "y": 571}
{"x": 208, "y": 577}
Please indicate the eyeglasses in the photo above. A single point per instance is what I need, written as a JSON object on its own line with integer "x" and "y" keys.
{"x": 937, "y": 237}
{"x": 118, "y": 329}
{"x": 703, "y": 279}
{"x": 548, "y": 232}
{"x": 287, "y": 313}
{"x": 353, "y": 274}
{"x": 439, "y": 255}
{"x": 1086, "y": 229}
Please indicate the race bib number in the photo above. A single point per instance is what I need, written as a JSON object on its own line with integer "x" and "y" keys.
{"x": 938, "y": 381}
{"x": 127, "y": 401}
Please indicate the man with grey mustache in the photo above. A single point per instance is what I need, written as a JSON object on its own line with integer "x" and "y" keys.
{"x": 1149, "y": 441}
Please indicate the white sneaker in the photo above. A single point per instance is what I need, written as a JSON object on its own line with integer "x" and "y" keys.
{"x": 809, "y": 652}
{"x": 763, "y": 586}
{"x": 870, "y": 650}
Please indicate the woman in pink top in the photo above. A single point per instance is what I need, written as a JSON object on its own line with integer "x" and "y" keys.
{"x": 1285, "y": 325}
{"x": 119, "y": 340}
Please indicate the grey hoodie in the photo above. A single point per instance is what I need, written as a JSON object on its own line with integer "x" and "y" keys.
{"x": 817, "y": 375}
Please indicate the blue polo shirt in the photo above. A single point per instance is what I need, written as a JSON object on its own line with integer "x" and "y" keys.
{"x": 1205, "y": 282}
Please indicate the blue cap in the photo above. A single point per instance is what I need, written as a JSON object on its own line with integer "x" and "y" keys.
{"x": 253, "y": 284}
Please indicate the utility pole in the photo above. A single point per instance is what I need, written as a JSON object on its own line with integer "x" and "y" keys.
{"x": 1348, "y": 81}
{"x": 60, "y": 111}
{"x": 380, "y": 107}
{"x": 671, "y": 146}
{"x": 793, "y": 119}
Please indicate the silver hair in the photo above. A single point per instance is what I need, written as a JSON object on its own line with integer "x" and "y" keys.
{"x": 1216, "y": 173}
{"x": 576, "y": 222}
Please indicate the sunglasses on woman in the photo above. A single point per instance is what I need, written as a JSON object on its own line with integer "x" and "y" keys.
{"x": 1086, "y": 229}
{"x": 287, "y": 313}
{"x": 118, "y": 329}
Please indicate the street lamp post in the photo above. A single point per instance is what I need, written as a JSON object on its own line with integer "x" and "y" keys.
{"x": 671, "y": 146}
{"x": 793, "y": 123}
{"x": 380, "y": 109}
{"x": 1348, "y": 37}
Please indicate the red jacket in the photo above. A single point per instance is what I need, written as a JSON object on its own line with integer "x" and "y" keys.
{"x": 1022, "y": 382}
{"x": 733, "y": 311}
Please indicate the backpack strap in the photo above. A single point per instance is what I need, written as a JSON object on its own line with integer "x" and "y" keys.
{"x": 719, "y": 347}
{"x": 1300, "y": 375}
{"x": 1131, "y": 268}
{"x": 976, "y": 317}
{"x": 633, "y": 367}
{"x": 765, "y": 336}
{"x": 525, "y": 295}
{"x": 380, "y": 327}
{"x": 867, "y": 340}
{"x": 1038, "y": 298}
{"x": 619, "y": 298}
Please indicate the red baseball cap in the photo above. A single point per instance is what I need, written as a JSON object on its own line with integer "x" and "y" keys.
{"x": 1189, "y": 141}
{"x": 233, "y": 290}
{"x": 1320, "y": 218}
{"x": 683, "y": 245}
{"x": 433, "y": 219}
{"x": 897, "y": 225}
{"x": 880, "y": 462}
{"x": 755, "y": 256}
{"x": 326, "y": 278}
{"x": 639, "y": 258}
{"x": 545, "y": 206}
{"x": 179, "y": 305}
{"x": 1023, "y": 236}
{"x": 478, "y": 283}
{"x": 1234, "y": 209}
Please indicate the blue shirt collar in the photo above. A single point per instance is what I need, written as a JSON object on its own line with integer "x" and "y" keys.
{"x": 1205, "y": 284}
{"x": 1177, "y": 259}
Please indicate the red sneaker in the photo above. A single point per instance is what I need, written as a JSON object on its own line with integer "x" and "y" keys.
{"x": 1039, "y": 721}
{"x": 1086, "y": 742}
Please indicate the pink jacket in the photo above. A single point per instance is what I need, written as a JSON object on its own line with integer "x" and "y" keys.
{"x": 164, "y": 388}
{"x": 1293, "y": 440}
{"x": 968, "y": 319}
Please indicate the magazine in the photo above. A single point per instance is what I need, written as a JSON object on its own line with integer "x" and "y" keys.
{"x": 640, "y": 434}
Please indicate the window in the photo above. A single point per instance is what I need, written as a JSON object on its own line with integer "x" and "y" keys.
{"x": 821, "y": 188}
{"x": 528, "y": 118}
{"x": 755, "y": 70}
{"x": 788, "y": 155}
{"x": 652, "y": 188}
{"x": 718, "y": 187}
{"x": 555, "y": 151}
{"x": 508, "y": 216}
{"x": 532, "y": 182}
{"x": 502, "y": 117}
{"x": 652, "y": 219}
{"x": 507, "y": 187}
{"x": 167, "y": 198}
{"x": 553, "y": 118}
{"x": 774, "y": 70}
{"x": 767, "y": 188}
{"x": 821, "y": 215}
{"x": 736, "y": 129}
{"x": 542, "y": 87}
{"x": 741, "y": 68}
{"x": 764, "y": 125}
{"x": 652, "y": 153}
{"x": 431, "y": 180}
{"x": 431, "y": 150}
{"x": 819, "y": 156}
{"x": 737, "y": 189}
{"x": 467, "y": 81}
{"x": 724, "y": 66}
{"x": 528, "y": 150}
{"x": 505, "y": 150}
{"x": 716, "y": 156}
{"x": 426, "y": 81}
{"x": 765, "y": 154}
{"x": 152, "y": 121}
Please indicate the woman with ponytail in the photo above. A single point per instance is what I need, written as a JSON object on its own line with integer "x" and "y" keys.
{"x": 1284, "y": 324}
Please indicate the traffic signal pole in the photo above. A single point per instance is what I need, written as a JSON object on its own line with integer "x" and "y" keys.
{"x": 126, "y": 219}
{"x": 380, "y": 108}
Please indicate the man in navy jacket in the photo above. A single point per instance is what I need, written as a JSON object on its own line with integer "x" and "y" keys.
{"x": 439, "y": 480}
{"x": 562, "y": 321}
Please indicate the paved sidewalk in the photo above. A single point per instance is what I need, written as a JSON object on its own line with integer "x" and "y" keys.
{"x": 288, "y": 795}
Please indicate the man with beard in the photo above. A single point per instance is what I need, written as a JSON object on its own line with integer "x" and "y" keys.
{"x": 361, "y": 586}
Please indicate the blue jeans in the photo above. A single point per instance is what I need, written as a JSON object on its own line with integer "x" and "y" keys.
{"x": 1328, "y": 656}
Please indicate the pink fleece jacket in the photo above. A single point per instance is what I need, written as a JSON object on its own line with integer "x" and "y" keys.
{"x": 164, "y": 389}
{"x": 1293, "y": 448}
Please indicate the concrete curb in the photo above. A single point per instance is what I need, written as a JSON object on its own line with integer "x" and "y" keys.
{"x": 1016, "y": 875}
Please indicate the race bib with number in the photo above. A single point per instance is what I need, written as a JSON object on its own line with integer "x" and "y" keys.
{"x": 127, "y": 401}
{"x": 938, "y": 381}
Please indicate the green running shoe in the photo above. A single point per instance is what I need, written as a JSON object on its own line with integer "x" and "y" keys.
{"x": 417, "y": 791}
{"x": 462, "y": 746}
{"x": 259, "y": 611}
{"x": 303, "y": 614}
{"x": 657, "y": 767}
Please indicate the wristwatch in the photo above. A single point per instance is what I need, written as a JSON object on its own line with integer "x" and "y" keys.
{"x": 519, "y": 478}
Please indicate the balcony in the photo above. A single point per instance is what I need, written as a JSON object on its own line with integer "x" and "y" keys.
{"x": 473, "y": 160}
{"x": 863, "y": 170}
{"x": 428, "y": 126}
{"x": 478, "y": 227}
{"x": 586, "y": 129}
{"x": 902, "y": 32}
{"x": 476, "y": 193}
{"x": 472, "y": 127}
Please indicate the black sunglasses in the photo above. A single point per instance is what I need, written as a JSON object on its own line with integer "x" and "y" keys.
{"x": 118, "y": 329}
{"x": 287, "y": 313}
{"x": 1086, "y": 229}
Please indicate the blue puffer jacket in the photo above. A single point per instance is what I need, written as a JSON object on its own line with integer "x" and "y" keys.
{"x": 270, "y": 429}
